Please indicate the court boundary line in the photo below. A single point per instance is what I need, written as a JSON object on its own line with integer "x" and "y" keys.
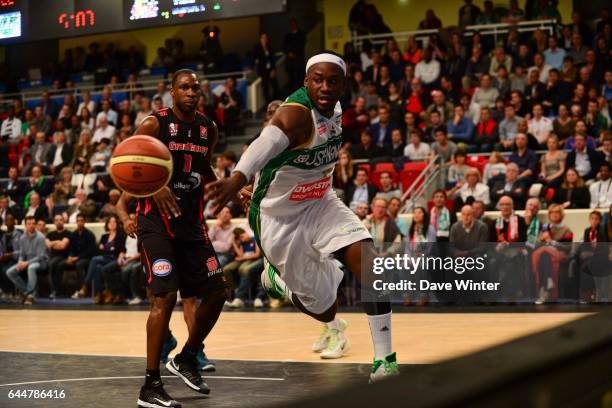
{"x": 336, "y": 361}
{"x": 223, "y": 377}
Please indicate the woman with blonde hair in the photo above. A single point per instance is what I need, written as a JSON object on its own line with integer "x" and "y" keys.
{"x": 494, "y": 168}
{"x": 344, "y": 172}
{"x": 555, "y": 237}
{"x": 552, "y": 163}
{"x": 83, "y": 149}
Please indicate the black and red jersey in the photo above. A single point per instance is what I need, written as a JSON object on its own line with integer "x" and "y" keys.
{"x": 189, "y": 144}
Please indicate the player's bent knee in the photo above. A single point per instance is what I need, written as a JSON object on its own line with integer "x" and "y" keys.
{"x": 216, "y": 297}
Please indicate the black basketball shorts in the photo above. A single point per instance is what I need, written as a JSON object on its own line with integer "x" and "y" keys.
{"x": 171, "y": 264}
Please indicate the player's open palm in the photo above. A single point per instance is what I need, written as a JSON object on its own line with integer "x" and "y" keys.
{"x": 224, "y": 190}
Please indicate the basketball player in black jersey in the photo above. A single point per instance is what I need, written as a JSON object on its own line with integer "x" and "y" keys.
{"x": 176, "y": 251}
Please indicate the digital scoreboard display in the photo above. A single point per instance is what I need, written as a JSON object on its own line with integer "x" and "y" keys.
{"x": 31, "y": 20}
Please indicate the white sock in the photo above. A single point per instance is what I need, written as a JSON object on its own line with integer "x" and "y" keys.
{"x": 380, "y": 327}
{"x": 334, "y": 324}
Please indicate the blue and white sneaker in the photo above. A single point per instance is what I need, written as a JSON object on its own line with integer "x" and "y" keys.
{"x": 204, "y": 364}
{"x": 169, "y": 344}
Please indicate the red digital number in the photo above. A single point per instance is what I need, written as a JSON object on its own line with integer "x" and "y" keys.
{"x": 6, "y": 3}
{"x": 187, "y": 163}
{"x": 80, "y": 19}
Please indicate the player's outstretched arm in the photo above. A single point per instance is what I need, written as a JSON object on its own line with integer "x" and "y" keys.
{"x": 290, "y": 127}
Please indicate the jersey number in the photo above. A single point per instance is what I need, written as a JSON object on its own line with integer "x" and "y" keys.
{"x": 187, "y": 163}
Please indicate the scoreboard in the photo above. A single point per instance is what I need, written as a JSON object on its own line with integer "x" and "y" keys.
{"x": 31, "y": 20}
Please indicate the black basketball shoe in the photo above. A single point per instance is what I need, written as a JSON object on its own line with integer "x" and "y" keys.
{"x": 188, "y": 372}
{"x": 153, "y": 395}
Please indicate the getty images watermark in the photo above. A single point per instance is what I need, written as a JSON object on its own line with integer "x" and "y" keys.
{"x": 487, "y": 272}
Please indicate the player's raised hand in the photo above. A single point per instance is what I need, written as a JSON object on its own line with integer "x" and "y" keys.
{"x": 167, "y": 203}
{"x": 245, "y": 195}
{"x": 224, "y": 190}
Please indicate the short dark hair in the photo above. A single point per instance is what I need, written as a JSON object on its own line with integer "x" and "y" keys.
{"x": 80, "y": 216}
{"x": 183, "y": 71}
{"x": 28, "y": 218}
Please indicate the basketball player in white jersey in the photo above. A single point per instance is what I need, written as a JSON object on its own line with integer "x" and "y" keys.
{"x": 301, "y": 225}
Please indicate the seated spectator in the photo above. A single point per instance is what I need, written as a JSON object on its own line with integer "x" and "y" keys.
{"x": 63, "y": 189}
{"x": 10, "y": 244}
{"x": 354, "y": 120}
{"x": 42, "y": 121}
{"x": 460, "y": 128}
{"x": 385, "y": 233}
{"x": 440, "y": 217}
{"x": 104, "y": 130}
{"x": 427, "y": 70}
{"x": 443, "y": 148}
{"x": 500, "y": 58}
{"x": 87, "y": 103}
{"x": 541, "y": 67}
{"x": 144, "y": 111}
{"x": 416, "y": 99}
{"x": 554, "y": 55}
{"x": 397, "y": 147}
{"x": 439, "y": 105}
{"x": 508, "y": 128}
{"x": 534, "y": 227}
{"x": 101, "y": 156}
{"x": 470, "y": 189}
{"x": 112, "y": 243}
{"x": 80, "y": 205}
{"x": 495, "y": 168}
{"x": 81, "y": 249}
{"x": 61, "y": 154}
{"x": 83, "y": 149}
{"x": 57, "y": 242}
{"x": 573, "y": 193}
{"x": 518, "y": 83}
{"x": 511, "y": 186}
{"x": 230, "y": 102}
{"x": 32, "y": 259}
{"x": 126, "y": 275}
{"x": 486, "y": 133}
{"x": 577, "y": 51}
{"x": 563, "y": 125}
{"x": 534, "y": 91}
{"x": 359, "y": 190}
{"x": 477, "y": 65}
{"x": 163, "y": 94}
{"x": 601, "y": 191}
{"x": 10, "y": 131}
{"x": 595, "y": 122}
{"x": 485, "y": 94}
{"x": 344, "y": 171}
{"x": 606, "y": 148}
{"x": 435, "y": 121}
{"x": 39, "y": 155}
{"x": 469, "y": 230}
{"x": 36, "y": 208}
{"x": 581, "y": 129}
{"x": 386, "y": 183}
{"x": 6, "y": 210}
{"x": 247, "y": 254}
{"x": 110, "y": 208}
{"x": 557, "y": 92}
{"x": 508, "y": 227}
{"x": 381, "y": 131}
{"x": 393, "y": 208}
{"x": 502, "y": 83}
{"x": 539, "y": 125}
{"x": 420, "y": 230}
{"x": 87, "y": 121}
{"x": 552, "y": 164}
{"x": 108, "y": 113}
{"x": 553, "y": 235}
{"x": 221, "y": 236}
{"x": 14, "y": 188}
{"x": 585, "y": 161}
{"x": 417, "y": 150}
{"x": 84, "y": 178}
{"x": 457, "y": 170}
{"x": 366, "y": 149}
{"x": 525, "y": 159}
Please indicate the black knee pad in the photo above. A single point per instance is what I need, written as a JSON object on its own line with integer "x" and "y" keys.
{"x": 377, "y": 308}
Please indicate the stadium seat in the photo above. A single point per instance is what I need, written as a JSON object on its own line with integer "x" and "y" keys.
{"x": 365, "y": 166}
{"x": 380, "y": 167}
{"x": 415, "y": 166}
{"x": 550, "y": 194}
{"x": 407, "y": 177}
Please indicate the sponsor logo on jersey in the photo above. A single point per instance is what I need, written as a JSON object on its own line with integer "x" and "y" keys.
{"x": 213, "y": 266}
{"x": 173, "y": 129}
{"x": 328, "y": 153}
{"x": 193, "y": 182}
{"x": 203, "y": 132}
{"x": 351, "y": 228}
{"x": 163, "y": 112}
{"x": 310, "y": 191}
{"x": 321, "y": 128}
{"x": 187, "y": 147}
{"x": 161, "y": 267}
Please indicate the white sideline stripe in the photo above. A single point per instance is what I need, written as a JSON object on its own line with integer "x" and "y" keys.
{"x": 223, "y": 377}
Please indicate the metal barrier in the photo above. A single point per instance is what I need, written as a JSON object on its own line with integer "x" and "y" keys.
{"x": 483, "y": 29}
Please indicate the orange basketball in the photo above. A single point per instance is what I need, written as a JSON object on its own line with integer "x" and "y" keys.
{"x": 141, "y": 165}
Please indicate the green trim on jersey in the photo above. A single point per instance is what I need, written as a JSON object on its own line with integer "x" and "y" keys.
{"x": 301, "y": 96}
{"x": 308, "y": 158}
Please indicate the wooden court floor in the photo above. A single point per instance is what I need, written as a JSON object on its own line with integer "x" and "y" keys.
{"x": 419, "y": 338}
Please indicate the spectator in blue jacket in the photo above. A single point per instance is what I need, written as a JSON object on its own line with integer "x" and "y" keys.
{"x": 460, "y": 128}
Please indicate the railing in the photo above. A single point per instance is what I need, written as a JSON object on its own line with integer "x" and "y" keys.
{"x": 422, "y": 36}
{"x": 418, "y": 186}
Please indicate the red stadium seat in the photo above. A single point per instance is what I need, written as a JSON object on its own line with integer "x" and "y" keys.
{"x": 550, "y": 194}
{"x": 407, "y": 177}
{"x": 415, "y": 166}
{"x": 365, "y": 166}
{"x": 380, "y": 167}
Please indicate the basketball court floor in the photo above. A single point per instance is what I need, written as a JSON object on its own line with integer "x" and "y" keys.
{"x": 96, "y": 355}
